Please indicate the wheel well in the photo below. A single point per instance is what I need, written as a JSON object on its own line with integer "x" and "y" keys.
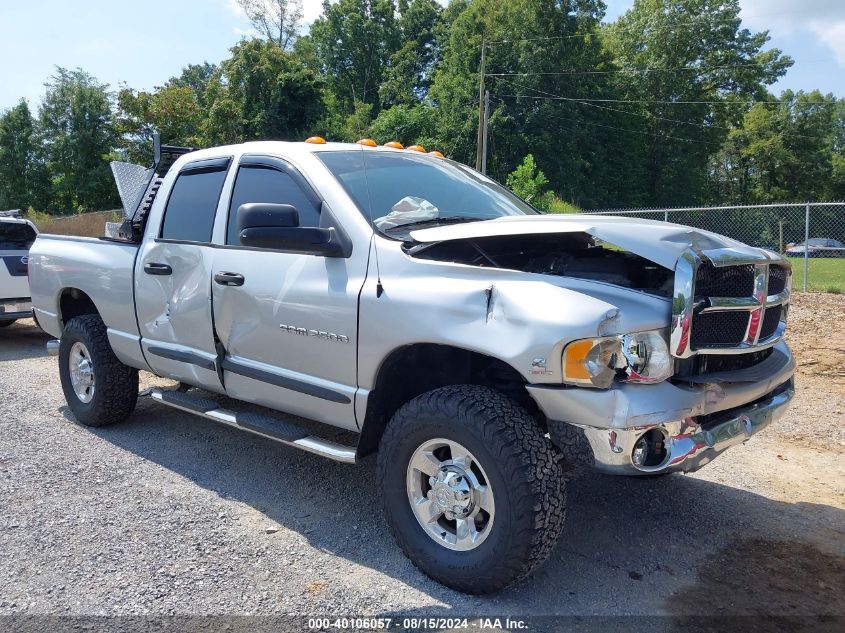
{"x": 73, "y": 303}
{"x": 415, "y": 369}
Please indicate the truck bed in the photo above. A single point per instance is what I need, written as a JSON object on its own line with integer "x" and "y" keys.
{"x": 102, "y": 269}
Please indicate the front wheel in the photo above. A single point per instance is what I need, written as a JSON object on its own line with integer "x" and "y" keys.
{"x": 99, "y": 389}
{"x": 471, "y": 490}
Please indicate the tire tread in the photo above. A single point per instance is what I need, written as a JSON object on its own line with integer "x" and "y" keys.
{"x": 526, "y": 459}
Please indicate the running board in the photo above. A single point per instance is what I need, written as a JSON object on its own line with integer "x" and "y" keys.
{"x": 281, "y": 431}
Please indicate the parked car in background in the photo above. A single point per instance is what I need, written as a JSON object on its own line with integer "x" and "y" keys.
{"x": 16, "y": 237}
{"x": 818, "y": 247}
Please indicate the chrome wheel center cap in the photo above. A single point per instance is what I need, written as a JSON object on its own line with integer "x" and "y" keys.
{"x": 452, "y": 492}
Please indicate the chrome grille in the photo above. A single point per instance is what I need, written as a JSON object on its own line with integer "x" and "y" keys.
{"x": 771, "y": 319}
{"x": 731, "y": 281}
{"x": 778, "y": 277}
{"x": 728, "y": 301}
{"x": 719, "y": 329}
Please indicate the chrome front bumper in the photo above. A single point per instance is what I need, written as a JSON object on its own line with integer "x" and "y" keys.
{"x": 696, "y": 422}
{"x": 688, "y": 444}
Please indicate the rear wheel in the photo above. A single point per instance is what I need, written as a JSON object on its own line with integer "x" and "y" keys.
{"x": 471, "y": 489}
{"x": 99, "y": 389}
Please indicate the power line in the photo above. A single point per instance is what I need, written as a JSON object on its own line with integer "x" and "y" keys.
{"x": 655, "y": 102}
{"x": 699, "y": 69}
{"x": 726, "y": 20}
{"x": 629, "y": 130}
{"x": 639, "y": 114}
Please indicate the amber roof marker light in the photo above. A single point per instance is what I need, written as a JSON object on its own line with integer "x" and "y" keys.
{"x": 395, "y": 145}
{"x": 316, "y": 140}
{"x": 436, "y": 153}
{"x": 416, "y": 148}
{"x": 368, "y": 142}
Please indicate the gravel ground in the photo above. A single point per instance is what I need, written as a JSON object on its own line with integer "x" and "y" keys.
{"x": 170, "y": 514}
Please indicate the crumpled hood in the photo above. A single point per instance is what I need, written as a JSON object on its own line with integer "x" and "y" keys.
{"x": 660, "y": 242}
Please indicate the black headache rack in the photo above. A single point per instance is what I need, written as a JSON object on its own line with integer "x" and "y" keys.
{"x": 139, "y": 185}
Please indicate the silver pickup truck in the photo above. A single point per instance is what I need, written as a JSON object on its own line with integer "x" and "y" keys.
{"x": 478, "y": 345}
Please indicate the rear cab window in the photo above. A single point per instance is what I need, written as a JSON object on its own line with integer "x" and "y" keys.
{"x": 16, "y": 236}
{"x": 192, "y": 205}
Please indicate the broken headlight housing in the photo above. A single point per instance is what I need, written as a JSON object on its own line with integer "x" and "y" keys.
{"x": 638, "y": 357}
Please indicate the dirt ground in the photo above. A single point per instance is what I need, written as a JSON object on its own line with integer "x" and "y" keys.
{"x": 169, "y": 514}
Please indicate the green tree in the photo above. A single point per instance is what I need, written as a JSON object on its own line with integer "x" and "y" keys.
{"x": 172, "y": 111}
{"x": 408, "y": 124}
{"x": 529, "y": 183}
{"x": 352, "y": 43}
{"x": 196, "y": 77}
{"x": 687, "y": 67}
{"x": 538, "y": 53}
{"x": 408, "y": 76}
{"x": 22, "y": 182}
{"x": 262, "y": 92}
{"x": 277, "y": 20}
{"x": 79, "y": 138}
{"x": 782, "y": 152}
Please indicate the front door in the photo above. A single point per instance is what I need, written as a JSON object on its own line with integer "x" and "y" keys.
{"x": 287, "y": 322}
{"x": 173, "y": 279}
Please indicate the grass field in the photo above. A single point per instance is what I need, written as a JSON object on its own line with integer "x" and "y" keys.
{"x": 824, "y": 275}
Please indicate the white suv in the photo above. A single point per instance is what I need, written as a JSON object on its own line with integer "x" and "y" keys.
{"x": 16, "y": 237}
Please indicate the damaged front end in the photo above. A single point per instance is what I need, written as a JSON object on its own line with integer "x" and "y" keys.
{"x": 574, "y": 255}
{"x": 720, "y": 371}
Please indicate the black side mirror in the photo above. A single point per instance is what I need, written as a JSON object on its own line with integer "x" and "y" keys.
{"x": 263, "y": 214}
{"x": 276, "y": 227}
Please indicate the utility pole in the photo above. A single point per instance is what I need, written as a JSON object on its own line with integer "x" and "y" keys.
{"x": 480, "y": 139}
{"x": 484, "y": 132}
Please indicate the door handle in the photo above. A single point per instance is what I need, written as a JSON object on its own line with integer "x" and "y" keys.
{"x": 152, "y": 268}
{"x": 229, "y": 279}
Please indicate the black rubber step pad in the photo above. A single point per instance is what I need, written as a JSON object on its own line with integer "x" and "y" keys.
{"x": 187, "y": 401}
{"x": 280, "y": 429}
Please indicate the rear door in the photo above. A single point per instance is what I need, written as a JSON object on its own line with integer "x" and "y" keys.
{"x": 15, "y": 239}
{"x": 173, "y": 279}
{"x": 289, "y": 322}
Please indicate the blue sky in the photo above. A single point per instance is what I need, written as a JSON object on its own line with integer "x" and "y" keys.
{"x": 143, "y": 43}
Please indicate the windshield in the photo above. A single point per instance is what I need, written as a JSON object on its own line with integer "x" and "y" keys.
{"x": 16, "y": 236}
{"x": 402, "y": 191}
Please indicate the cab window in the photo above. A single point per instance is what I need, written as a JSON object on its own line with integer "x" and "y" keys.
{"x": 190, "y": 211}
{"x": 258, "y": 183}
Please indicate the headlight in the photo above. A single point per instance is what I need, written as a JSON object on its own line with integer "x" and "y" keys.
{"x": 637, "y": 357}
{"x": 647, "y": 356}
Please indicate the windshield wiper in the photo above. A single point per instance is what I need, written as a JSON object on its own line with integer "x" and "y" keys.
{"x": 454, "y": 219}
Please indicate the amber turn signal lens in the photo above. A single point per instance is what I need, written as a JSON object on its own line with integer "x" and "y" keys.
{"x": 316, "y": 140}
{"x": 416, "y": 148}
{"x": 366, "y": 141}
{"x": 394, "y": 145}
{"x": 574, "y": 361}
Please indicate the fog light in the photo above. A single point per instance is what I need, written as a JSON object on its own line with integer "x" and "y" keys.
{"x": 650, "y": 449}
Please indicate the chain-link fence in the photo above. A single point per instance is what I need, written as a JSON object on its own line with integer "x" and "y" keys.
{"x": 783, "y": 228}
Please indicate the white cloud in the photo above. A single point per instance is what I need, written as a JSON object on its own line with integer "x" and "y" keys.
{"x": 824, "y": 19}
